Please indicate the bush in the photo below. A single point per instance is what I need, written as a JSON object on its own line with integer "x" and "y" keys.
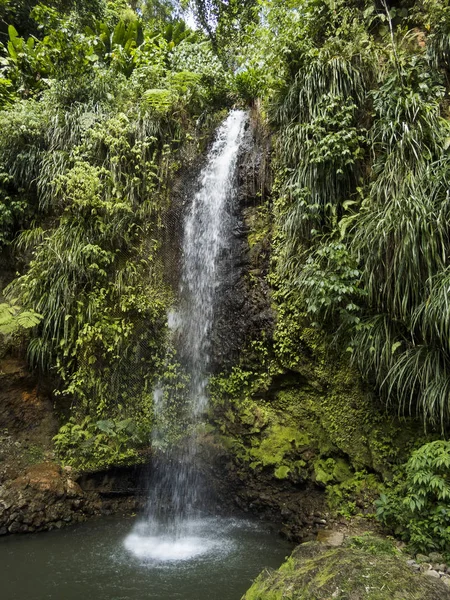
{"x": 94, "y": 445}
{"x": 418, "y": 509}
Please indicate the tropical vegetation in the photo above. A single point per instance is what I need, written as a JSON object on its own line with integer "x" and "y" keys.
{"x": 103, "y": 107}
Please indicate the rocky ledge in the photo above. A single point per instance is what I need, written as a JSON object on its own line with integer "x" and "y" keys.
{"x": 47, "y": 497}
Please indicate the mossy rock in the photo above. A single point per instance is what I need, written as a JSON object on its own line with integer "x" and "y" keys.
{"x": 366, "y": 568}
{"x": 278, "y": 442}
{"x": 332, "y": 470}
{"x": 335, "y": 432}
{"x": 295, "y": 409}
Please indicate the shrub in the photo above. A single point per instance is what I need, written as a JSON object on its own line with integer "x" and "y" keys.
{"x": 93, "y": 445}
{"x": 418, "y": 509}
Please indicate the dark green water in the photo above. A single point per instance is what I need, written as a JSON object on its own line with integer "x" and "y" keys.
{"x": 105, "y": 560}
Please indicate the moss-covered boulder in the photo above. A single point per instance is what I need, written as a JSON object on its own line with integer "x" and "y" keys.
{"x": 365, "y": 568}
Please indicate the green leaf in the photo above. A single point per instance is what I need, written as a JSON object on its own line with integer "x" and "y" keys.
{"x": 395, "y": 347}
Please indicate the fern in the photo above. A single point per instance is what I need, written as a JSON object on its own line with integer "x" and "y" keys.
{"x": 13, "y": 318}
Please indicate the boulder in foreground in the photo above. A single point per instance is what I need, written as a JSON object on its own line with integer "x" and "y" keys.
{"x": 365, "y": 568}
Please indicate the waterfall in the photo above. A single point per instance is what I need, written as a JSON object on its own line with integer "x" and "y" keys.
{"x": 173, "y": 523}
{"x": 206, "y": 234}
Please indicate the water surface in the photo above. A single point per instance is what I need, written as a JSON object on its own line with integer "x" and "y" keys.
{"x": 101, "y": 560}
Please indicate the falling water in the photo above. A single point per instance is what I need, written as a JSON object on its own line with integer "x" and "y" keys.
{"x": 206, "y": 233}
{"x": 175, "y": 527}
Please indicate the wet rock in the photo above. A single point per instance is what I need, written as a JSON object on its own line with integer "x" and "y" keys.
{"x": 22, "y": 503}
{"x": 28, "y": 519}
{"x": 413, "y": 564}
{"x": 73, "y": 489}
{"x": 15, "y": 516}
{"x": 46, "y": 497}
{"x": 15, "y": 527}
{"x": 436, "y": 557}
{"x": 7, "y": 503}
{"x": 432, "y": 573}
{"x": 423, "y": 558}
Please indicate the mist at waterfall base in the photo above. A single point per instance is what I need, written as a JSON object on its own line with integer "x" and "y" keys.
{"x": 174, "y": 527}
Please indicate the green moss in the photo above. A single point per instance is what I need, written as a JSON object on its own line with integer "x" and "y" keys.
{"x": 278, "y": 442}
{"x": 332, "y": 434}
{"x": 282, "y": 472}
{"x": 331, "y": 470}
{"x": 366, "y": 568}
{"x": 34, "y": 454}
{"x": 373, "y": 544}
{"x": 355, "y": 495}
{"x": 259, "y": 222}
{"x": 254, "y": 415}
{"x": 289, "y": 565}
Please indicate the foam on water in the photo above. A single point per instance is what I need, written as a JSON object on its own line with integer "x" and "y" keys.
{"x": 165, "y": 549}
{"x": 189, "y": 540}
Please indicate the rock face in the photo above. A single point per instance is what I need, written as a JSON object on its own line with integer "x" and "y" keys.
{"x": 242, "y": 309}
{"x": 297, "y": 510}
{"x": 293, "y": 414}
{"x": 46, "y": 497}
{"x": 365, "y": 568}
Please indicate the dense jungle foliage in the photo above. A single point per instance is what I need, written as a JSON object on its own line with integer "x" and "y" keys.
{"x": 100, "y": 110}
{"x": 103, "y": 104}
